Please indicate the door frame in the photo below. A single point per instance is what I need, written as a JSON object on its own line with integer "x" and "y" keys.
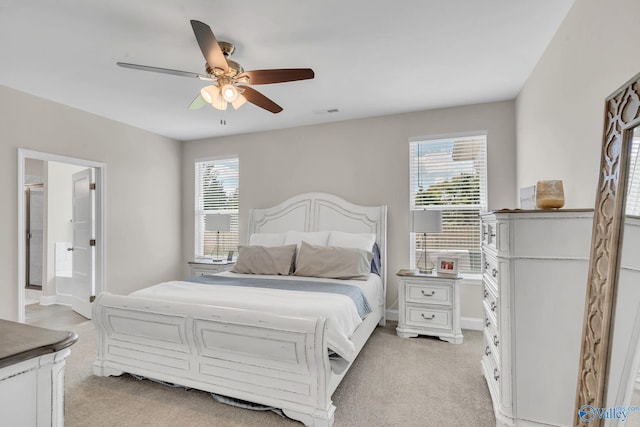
{"x": 100, "y": 226}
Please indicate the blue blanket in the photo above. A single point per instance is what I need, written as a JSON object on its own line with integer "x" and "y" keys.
{"x": 353, "y": 292}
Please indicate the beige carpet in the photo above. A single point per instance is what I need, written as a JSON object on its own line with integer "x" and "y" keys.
{"x": 394, "y": 382}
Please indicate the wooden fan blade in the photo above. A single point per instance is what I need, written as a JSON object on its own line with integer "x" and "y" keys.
{"x": 255, "y": 97}
{"x": 163, "y": 70}
{"x": 263, "y": 77}
{"x": 209, "y": 45}
{"x": 197, "y": 103}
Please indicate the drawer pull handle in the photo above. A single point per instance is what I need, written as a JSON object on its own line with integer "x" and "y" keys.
{"x": 493, "y": 234}
{"x": 487, "y": 322}
{"x": 428, "y": 295}
{"x": 496, "y": 341}
{"x": 486, "y": 293}
{"x": 495, "y": 374}
{"x": 428, "y": 318}
{"x": 484, "y": 233}
{"x": 493, "y": 306}
{"x": 494, "y": 272}
{"x": 487, "y": 351}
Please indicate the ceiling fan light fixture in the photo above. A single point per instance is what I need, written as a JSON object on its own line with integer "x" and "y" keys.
{"x": 219, "y": 104}
{"x": 239, "y": 102}
{"x": 229, "y": 92}
{"x": 210, "y": 93}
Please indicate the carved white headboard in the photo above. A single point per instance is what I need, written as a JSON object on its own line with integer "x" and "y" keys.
{"x": 323, "y": 212}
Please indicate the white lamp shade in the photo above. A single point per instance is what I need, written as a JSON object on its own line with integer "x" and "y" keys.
{"x": 229, "y": 92}
{"x": 239, "y": 102}
{"x": 210, "y": 93}
{"x": 217, "y": 222}
{"x": 425, "y": 221}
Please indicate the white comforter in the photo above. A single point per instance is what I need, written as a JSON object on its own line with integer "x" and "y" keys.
{"x": 341, "y": 312}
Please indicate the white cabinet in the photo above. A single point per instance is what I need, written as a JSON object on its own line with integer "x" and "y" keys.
{"x": 535, "y": 266}
{"x": 197, "y": 269}
{"x": 429, "y": 305}
{"x": 32, "y": 362}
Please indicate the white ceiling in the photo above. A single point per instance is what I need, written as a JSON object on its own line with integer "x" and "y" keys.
{"x": 370, "y": 58}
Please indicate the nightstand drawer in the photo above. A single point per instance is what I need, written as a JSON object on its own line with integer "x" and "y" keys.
{"x": 203, "y": 269}
{"x": 427, "y": 316}
{"x": 430, "y": 294}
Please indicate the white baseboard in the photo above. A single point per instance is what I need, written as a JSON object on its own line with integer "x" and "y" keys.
{"x": 391, "y": 314}
{"x": 472, "y": 323}
{"x": 47, "y": 299}
{"x": 64, "y": 299}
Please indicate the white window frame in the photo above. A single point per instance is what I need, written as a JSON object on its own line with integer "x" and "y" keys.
{"x": 200, "y": 212}
{"x": 414, "y": 185}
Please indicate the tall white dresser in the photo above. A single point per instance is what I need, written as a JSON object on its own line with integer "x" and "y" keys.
{"x": 534, "y": 286}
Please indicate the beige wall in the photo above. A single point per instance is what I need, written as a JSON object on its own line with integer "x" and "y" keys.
{"x": 143, "y": 190}
{"x": 364, "y": 161}
{"x": 560, "y": 110}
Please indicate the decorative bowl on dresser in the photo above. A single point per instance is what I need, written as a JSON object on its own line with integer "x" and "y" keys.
{"x": 429, "y": 304}
{"x": 534, "y": 283}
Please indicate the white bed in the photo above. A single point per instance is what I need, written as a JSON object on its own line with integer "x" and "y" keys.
{"x": 175, "y": 332}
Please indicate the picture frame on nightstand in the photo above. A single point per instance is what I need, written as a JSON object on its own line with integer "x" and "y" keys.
{"x": 447, "y": 267}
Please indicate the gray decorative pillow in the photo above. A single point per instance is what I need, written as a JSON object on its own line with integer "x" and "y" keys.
{"x": 265, "y": 260}
{"x": 333, "y": 262}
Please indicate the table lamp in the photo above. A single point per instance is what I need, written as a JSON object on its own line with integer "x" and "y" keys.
{"x": 426, "y": 221}
{"x": 217, "y": 223}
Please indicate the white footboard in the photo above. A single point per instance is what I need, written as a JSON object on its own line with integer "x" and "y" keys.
{"x": 280, "y": 361}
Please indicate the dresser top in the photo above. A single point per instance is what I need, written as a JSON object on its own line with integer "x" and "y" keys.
{"x": 20, "y": 342}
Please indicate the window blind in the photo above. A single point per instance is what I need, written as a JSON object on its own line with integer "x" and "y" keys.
{"x": 216, "y": 192}
{"x": 633, "y": 189}
{"x": 450, "y": 175}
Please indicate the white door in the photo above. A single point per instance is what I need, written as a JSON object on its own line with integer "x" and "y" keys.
{"x": 83, "y": 249}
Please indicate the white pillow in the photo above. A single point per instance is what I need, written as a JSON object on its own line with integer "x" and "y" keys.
{"x": 362, "y": 241}
{"x": 318, "y": 238}
{"x": 266, "y": 239}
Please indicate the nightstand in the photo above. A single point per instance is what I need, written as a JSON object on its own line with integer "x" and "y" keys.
{"x": 203, "y": 268}
{"x": 429, "y": 305}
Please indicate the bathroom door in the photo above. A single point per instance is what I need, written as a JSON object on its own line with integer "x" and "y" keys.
{"x": 83, "y": 278}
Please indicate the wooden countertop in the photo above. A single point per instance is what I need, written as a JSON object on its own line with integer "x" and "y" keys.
{"x": 20, "y": 342}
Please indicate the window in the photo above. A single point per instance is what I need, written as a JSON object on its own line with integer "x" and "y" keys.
{"x": 216, "y": 192}
{"x": 450, "y": 175}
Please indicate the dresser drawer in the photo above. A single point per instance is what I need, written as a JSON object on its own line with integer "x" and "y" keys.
{"x": 491, "y": 269}
{"x": 490, "y": 301}
{"x": 427, "y": 316}
{"x": 493, "y": 365}
{"x": 492, "y": 341}
{"x": 439, "y": 294}
{"x": 489, "y": 233}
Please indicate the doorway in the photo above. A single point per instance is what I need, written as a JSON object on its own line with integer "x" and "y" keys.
{"x": 53, "y": 244}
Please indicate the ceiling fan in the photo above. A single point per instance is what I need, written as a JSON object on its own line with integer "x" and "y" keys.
{"x": 229, "y": 76}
